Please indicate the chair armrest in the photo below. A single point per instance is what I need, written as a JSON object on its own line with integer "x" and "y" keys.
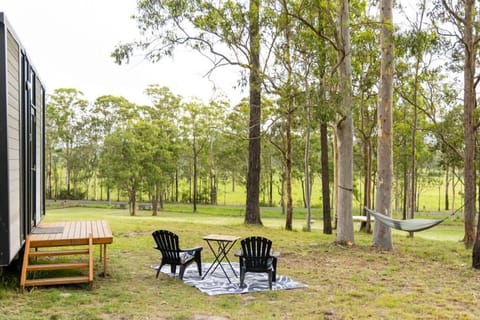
{"x": 193, "y": 249}
{"x": 275, "y": 254}
{"x": 238, "y": 253}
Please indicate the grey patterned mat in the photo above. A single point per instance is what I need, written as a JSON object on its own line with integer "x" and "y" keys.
{"x": 47, "y": 230}
{"x": 217, "y": 283}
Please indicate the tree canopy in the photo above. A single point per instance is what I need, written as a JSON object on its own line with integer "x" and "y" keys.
{"x": 323, "y": 101}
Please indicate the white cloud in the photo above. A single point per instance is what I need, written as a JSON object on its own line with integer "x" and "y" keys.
{"x": 70, "y": 42}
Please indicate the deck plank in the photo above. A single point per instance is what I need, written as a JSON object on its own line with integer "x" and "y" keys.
{"x": 74, "y": 232}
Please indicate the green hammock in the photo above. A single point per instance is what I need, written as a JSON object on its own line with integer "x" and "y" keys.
{"x": 411, "y": 225}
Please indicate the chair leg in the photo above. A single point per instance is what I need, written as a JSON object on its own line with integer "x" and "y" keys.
{"x": 173, "y": 268}
{"x": 270, "y": 274}
{"x": 182, "y": 271}
{"x": 198, "y": 260}
{"x": 158, "y": 270}
{"x": 274, "y": 275}
{"x": 242, "y": 278}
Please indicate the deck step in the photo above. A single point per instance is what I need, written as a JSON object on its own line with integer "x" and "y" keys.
{"x": 57, "y": 281}
{"x": 51, "y": 253}
{"x": 31, "y": 267}
{"x": 57, "y": 266}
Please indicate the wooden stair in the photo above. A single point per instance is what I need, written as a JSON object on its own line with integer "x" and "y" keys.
{"x": 28, "y": 266}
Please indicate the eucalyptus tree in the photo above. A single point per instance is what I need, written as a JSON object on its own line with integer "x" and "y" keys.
{"x": 84, "y": 159}
{"x": 233, "y": 154}
{"x": 226, "y": 32}
{"x": 382, "y": 235}
{"x": 366, "y": 68}
{"x": 272, "y": 174}
{"x": 197, "y": 124}
{"x": 165, "y": 108}
{"x": 165, "y": 104}
{"x": 52, "y": 153}
{"x": 344, "y": 129}
{"x": 325, "y": 103}
{"x": 284, "y": 84}
{"x": 107, "y": 114}
{"x": 306, "y": 164}
{"x": 337, "y": 14}
{"x": 417, "y": 50}
{"x": 405, "y": 119}
{"x": 459, "y": 21}
{"x": 216, "y": 149}
{"x": 160, "y": 146}
{"x": 448, "y": 131}
{"x": 126, "y": 154}
{"x": 292, "y": 77}
{"x": 110, "y": 112}
{"x": 67, "y": 106}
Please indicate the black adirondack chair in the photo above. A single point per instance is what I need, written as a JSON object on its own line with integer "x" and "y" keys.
{"x": 256, "y": 256}
{"x": 168, "y": 244}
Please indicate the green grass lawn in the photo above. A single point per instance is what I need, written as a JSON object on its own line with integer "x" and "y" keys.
{"x": 425, "y": 277}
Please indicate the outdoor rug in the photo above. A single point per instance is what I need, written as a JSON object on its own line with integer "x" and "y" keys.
{"x": 217, "y": 283}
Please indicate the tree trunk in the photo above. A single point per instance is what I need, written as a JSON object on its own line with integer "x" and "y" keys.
{"x": 133, "y": 200}
{"x": 162, "y": 200}
{"x": 344, "y": 131}
{"x": 270, "y": 183}
{"x": 382, "y": 236}
{"x": 49, "y": 174}
{"x": 413, "y": 165}
{"x": 155, "y": 196}
{"x": 252, "y": 212}
{"x": 67, "y": 171}
{"x": 405, "y": 188}
{"x": 469, "y": 126}
{"x": 335, "y": 180}
{"x": 307, "y": 174}
{"x": 288, "y": 169}
{"x": 327, "y": 218}
{"x": 282, "y": 192}
{"x": 367, "y": 187}
{"x": 195, "y": 176}
{"x": 176, "y": 185}
{"x": 447, "y": 186}
{"x": 95, "y": 186}
{"x": 213, "y": 188}
{"x": 454, "y": 189}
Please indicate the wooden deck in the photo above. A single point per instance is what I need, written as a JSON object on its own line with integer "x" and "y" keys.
{"x": 72, "y": 233}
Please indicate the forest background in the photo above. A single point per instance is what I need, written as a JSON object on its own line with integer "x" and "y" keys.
{"x": 183, "y": 150}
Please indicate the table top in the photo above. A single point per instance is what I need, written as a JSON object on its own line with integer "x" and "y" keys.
{"x": 221, "y": 237}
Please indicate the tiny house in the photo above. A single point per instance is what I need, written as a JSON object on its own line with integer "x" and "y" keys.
{"x": 22, "y": 136}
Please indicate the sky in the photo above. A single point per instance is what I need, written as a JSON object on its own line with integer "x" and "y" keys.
{"x": 70, "y": 42}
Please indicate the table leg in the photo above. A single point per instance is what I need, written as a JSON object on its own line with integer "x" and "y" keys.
{"x": 226, "y": 257}
{"x": 215, "y": 261}
{"x": 103, "y": 254}
{"x": 220, "y": 254}
{"x": 224, "y": 249}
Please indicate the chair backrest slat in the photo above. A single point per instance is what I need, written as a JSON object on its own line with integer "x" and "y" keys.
{"x": 167, "y": 243}
{"x": 256, "y": 252}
